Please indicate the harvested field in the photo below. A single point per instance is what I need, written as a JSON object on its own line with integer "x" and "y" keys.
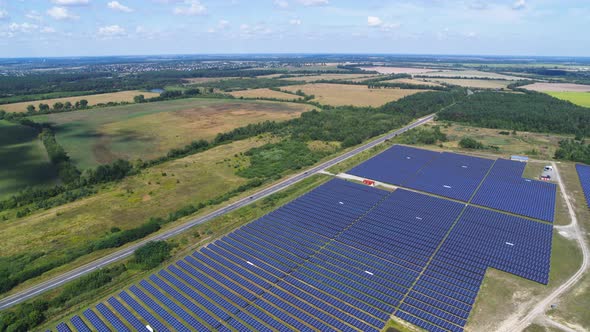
{"x": 469, "y": 74}
{"x": 23, "y": 160}
{"x": 578, "y": 98}
{"x": 264, "y": 93}
{"x": 398, "y": 70}
{"x": 557, "y": 87}
{"x": 195, "y": 80}
{"x": 356, "y": 95}
{"x": 413, "y": 81}
{"x": 150, "y": 130}
{"x": 473, "y": 83}
{"x": 92, "y": 100}
{"x": 344, "y": 77}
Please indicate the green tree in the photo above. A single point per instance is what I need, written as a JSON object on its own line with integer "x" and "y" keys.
{"x": 139, "y": 99}
{"x": 152, "y": 254}
{"x": 83, "y": 103}
{"x": 470, "y": 143}
{"x": 58, "y": 106}
{"x": 43, "y": 107}
{"x": 31, "y": 108}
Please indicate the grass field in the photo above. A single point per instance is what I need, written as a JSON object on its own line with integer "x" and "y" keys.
{"x": 150, "y": 130}
{"x": 356, "y": 95}
{"x": 92, "y": 100}
{"x": 578, "y": 98}
{"x": 263, "y": 93}
{"x": 153, "y": 193}
{"x": 344, "y": 77}
{"x": 413, "y": 81}
{"x": 557, "y": 87}
{"x": 23, "y": 159}
{"x": 474, "y": 83}
{"x": 469, "y": 74}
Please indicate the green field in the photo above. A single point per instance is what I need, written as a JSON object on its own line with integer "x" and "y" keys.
{"x": 23, "y": 159}
{"x": 578, "y": 98}
{"x": 150, "y": 130}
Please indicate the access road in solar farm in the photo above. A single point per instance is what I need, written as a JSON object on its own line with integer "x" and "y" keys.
{"x": 346, "y": 257}
{"x": 127, "y": 251}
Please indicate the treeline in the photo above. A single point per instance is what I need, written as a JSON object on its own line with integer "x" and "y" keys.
{"x": 248, "y": 83}
{"x": 529, "y": 111}
{"x": 429, "y": 135}
{"x": 573, "y": 150}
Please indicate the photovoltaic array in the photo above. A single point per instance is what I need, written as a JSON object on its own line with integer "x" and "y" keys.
{"x": 584, "y": 175}
{"x": 462, "y": 177}
{"x": 342, "y": 257}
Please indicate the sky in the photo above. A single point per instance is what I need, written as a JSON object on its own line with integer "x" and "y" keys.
{"x": 44, "y": 28}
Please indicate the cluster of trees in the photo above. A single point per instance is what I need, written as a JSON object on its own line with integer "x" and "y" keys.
{"x": 66, "y": 169}
{"x": 58, "y": 107}
{"x": 529, "y": 111}
{"x": 573, "y": 150}
{"x": 152, "y": 254}
{"x": 470, "y": 143}
{"x": 431, "y": 135}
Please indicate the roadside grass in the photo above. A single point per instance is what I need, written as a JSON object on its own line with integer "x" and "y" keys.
{"x": 186, "y": 242}
{"x": 578, "y": 98}
{"x": 540, "y": 328}
{"x": 150, "y": 130}
{"x": 355, "y": 95}
{"x": 125, "y": 205}
{"x": 23, "y": 160}
{"x": 572, "y": 307}
{"x": 122, "y": 96}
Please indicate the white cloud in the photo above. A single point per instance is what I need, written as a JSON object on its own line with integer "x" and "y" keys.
{"x": 191, "y": 8}
{"x": 3, "y": 14}
{"x": 23, "y": 27}
{"x": 61, "y": 13}
{"x": 47, "y": 30}
{"x": 519, "y": 4}
{"x": 71, "y": 2}
{"x": 223, "y": 24}
{"x": 313, "y": 2}
{"x": 281, "y": 3}
{"x": 374, "y": 21}
{"x": 116, "y": 5}
{"x": 295, "y": 21}
{"x": 111, "y": 31}
{"x": 33, "y": 15}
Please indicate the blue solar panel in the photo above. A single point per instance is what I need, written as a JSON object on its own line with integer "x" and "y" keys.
{"x": 584, "y": 176}
{"x": 395, "y": 165}
{"x": 79, "y": 324}
{"x": 345, "y": 257}
{"x": 504, "y": 189}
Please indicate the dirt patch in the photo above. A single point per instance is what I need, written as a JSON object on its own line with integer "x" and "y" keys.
{"x": 558, "y": 87}
{"x": 102, "y": 150}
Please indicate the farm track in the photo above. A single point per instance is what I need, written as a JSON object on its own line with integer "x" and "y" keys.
{"x": 541, "y": 307}
{"x": 57, "y": 281}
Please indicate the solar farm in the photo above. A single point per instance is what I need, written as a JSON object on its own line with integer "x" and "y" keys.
{"x": 584, "y": 175}
{"x": 346, "y": 256}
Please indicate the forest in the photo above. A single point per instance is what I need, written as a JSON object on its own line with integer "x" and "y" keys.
{"x": 531, "y": 111}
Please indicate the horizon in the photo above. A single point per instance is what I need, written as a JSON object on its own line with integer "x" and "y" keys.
{"x": 87, "y": 28}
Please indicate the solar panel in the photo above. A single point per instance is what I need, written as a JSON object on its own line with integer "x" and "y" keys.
{"x": 343, "y": 257}
{"x": 584, "y": 176}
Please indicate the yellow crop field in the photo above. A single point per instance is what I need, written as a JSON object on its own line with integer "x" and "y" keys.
{"x": 92, "y": 100}
{"x": 356, "y": 95}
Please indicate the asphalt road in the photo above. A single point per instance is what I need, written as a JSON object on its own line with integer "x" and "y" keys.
{"x": 127, "y": 251}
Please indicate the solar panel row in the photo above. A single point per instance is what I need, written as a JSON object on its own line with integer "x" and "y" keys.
{"x": 342, "y": 257}
{"x": 584, "y": 176}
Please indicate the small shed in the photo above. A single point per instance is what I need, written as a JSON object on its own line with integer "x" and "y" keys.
{"x": 519, "y": 158}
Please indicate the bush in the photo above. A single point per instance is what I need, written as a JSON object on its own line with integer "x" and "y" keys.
{"x": 152, "y": 254}
{"x": 470, "y": 143}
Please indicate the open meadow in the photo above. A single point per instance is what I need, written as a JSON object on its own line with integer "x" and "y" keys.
{"x": 469, "y": 74}
{"x": 578, "y": 98}
{"x": 129, "y": 203}
{"x": 356, "y": 95}
{"x": 557, "y": 87}
{"x": 23, "y": 160}
{"x": 263, "y": 93}
{"x": 473, "y": 83}
{"x": 150, "y": 130}
{"x": 123, "y": 96}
